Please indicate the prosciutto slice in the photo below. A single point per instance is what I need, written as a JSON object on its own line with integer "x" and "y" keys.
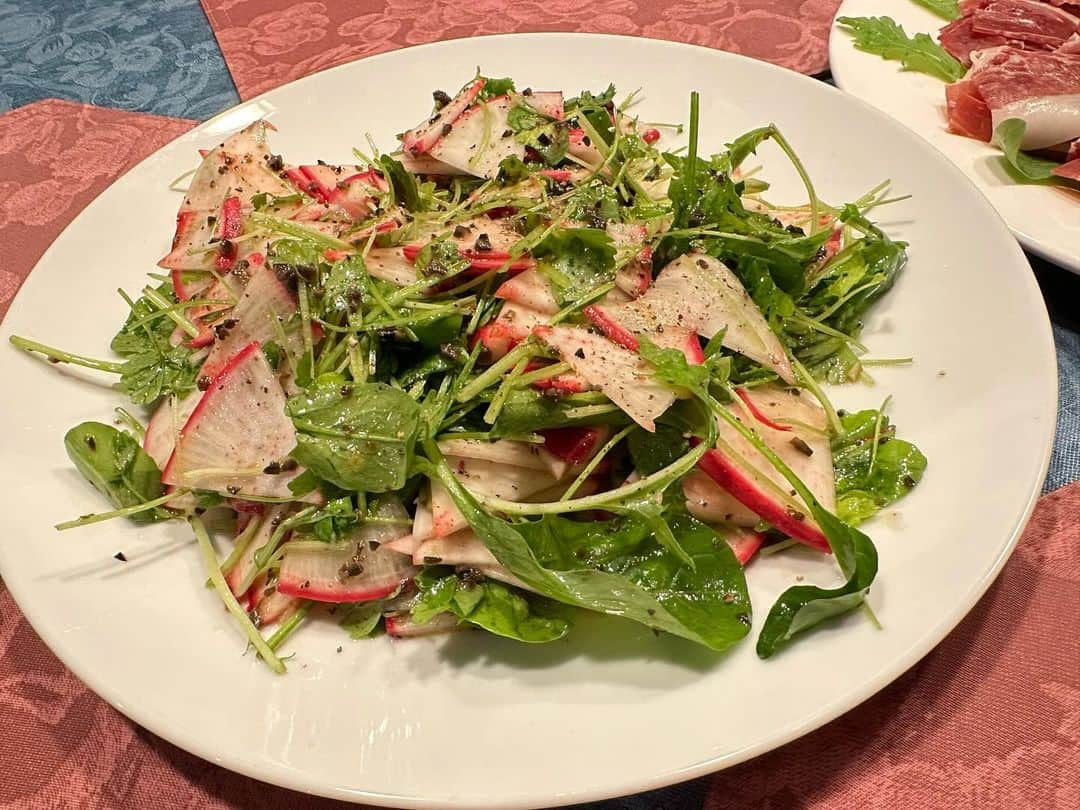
{"x": 1041, "y": 88}
{"x": 1024, "y": 24}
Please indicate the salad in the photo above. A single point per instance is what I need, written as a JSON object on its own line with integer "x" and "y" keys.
{"x": 530, "y": 364}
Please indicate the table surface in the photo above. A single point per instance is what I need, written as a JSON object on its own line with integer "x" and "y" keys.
{"x": 150, "y": 68}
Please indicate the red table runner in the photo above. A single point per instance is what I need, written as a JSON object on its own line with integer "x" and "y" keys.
{"x": 991, "y": 718}
{"x": 267, "y": 43}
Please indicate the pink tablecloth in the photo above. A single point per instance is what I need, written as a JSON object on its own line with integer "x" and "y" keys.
{"x": 269, "y": 42}
{"x": 989, "y": 719}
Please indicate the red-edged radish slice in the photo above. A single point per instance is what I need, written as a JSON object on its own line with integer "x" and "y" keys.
{"x": 759, "y": 494}
{"x": 477, "y": 141}
{"x": 237, "y": 431}
{"x": 575, "y": 445}
{"x": 744, "y": 543}
{"x": 625, "y": 378}
{"x": 547, "y": 102}
{"x": 240, "y": 570}
{"x": 425, "y": 164}
{"x": 460, "y": 548}
{"x": 530, "y": 290}
{"x": 164, "y": 426}
{"x": 390, "y": 264}
{"x": 708, "y": 502}
{"x": 361, "y": 569}
{"x": 272, "y": 605}
{"x": 402, "y": 625}
{"x": 422, "y": 138}
{"x": 581, "y": 147}
{"x": 802, "y": 443}
{"x": 264, "y": 300}
{"x": 507, "y": 451}
{"x": 701, "y": 294}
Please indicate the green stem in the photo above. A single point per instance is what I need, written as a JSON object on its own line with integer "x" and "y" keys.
{"x": 60, "y": 356}
{"x": 165, "y": 306}
{"x": 595, "y": 461}
{"x": 290, "y": 228}
{"x": 289, "y": 626}
{"x": 815, "y": 204}
{"x": 214, "y": 569}
{"x": 98, "y": 517}
{"x": 523, "y": 351}
{"x": 581, "y": 303}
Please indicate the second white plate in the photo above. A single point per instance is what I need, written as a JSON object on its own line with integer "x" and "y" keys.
{"x": 1046, "y": 219}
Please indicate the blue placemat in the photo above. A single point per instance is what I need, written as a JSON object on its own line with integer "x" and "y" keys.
{"x": 155, "y": 56}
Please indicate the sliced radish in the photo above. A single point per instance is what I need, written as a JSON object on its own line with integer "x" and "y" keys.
{"x": 759, "y": 494}
{"x": 625, "y": 378}
{"x": 402, "y": 625}
{"x": 706, "y": 501}
{"x": 531, "y": 290}
{"x": 506, "y": 451}
{"x": 272, "y": 605}
{"x": 481, "y": 477}
{"x": 238, "y": 429}
{"x": 575, "y": 445}
{"x": 425, "y": 164}
{"x": 744, "y": 543}
{"x": 498, "y": 337}
{"x": 390, "y": 264}
{"x": 798, "y": 438}
{"x": 263, "y": 306}
{"x": 351, "y": 188}
{"x": 460, "y": 548}
{"x": 581, "y": 148}
{"x": 701, "y": 294}
{"x": 422, "y": 138}
{"x": 477, "y": 142}
{"x": 547, "y": 102}
{"x": 361, "y": 569}
{"x": 164, "y": 426}
{"x": 240, "y": 570}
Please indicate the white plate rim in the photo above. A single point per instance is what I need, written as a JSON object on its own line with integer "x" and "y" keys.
{"x": 631, "y": 785}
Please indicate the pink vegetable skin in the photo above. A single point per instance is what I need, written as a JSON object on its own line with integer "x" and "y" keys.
{"x": 421, "y": 139}
{"x": 729, "y": 476}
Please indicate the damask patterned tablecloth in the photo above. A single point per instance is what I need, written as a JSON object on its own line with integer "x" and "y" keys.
{"x": 270, "y": 42}
{"x": 991, "y": 718}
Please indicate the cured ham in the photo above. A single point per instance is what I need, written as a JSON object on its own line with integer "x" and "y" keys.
{"x": 1041, "y": 88}
{"x": 1024, "y": 24}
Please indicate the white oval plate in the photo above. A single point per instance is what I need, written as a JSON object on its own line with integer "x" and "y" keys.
{"x": 1046, "y": 219}
{"x": 474, "y": 721}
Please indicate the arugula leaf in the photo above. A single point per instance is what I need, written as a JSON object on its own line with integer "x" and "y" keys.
{"x": 526, "y": 410}
{"x": 886, "y": 38}
{"x": 576, "y": 261}
{"x": 357, "y": 436}
{"x": 868, "y": 480}
{"x": 117, "y": 466}
{"x": 617, "y": 567}
{"x": 946, "y": 9}
{"x": 673, "y": 369}
{"x": 1022, "y": 167}
{"x": 485, "y": 603}
{"x": 440, "y": 258}
{"x": 495, "y": 87}
{"x": 360, "y": 620}
{"x": 403, "y": 182}
{"x": 331, "y": 523}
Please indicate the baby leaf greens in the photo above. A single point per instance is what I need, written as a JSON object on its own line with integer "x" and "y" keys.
{"x": 527, "y": 365}
{"x": 886, "y": 38}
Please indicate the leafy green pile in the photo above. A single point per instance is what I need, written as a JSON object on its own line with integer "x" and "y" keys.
{"x": 383, "y": 372}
